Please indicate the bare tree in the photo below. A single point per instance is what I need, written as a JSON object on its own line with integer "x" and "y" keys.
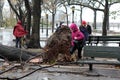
{"x": 51, "y": 6}
{"x": 63, "y": 2}
{"x": 17, "y": 8}
{"x": 23, "y": 12}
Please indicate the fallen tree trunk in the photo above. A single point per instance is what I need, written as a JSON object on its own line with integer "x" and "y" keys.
{"x": 14, "y": 54}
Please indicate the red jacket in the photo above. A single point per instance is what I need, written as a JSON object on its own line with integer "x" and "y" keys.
{"x": 19, "y": 30}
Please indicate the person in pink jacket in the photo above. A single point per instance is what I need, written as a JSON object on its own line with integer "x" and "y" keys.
{"x": 19, "y": 32}
{"x": 77, "y": 40}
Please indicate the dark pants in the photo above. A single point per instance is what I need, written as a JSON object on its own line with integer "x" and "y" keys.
{"x": 18, "y": 42}
{"x": 78, "y": 46}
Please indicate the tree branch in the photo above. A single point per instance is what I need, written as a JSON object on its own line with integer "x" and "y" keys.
{"x": 13, "y": 9}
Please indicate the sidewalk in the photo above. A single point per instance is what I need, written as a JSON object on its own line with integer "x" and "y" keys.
{"x": 77, "y": 73}
{"x": 100, "y": 72}
{"x": 73, "y": 72}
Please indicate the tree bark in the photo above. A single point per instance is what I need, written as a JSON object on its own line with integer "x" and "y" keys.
{"x": 1, "y": 10}
{"x": 105, "y": 20}
{"x": 35, "y": 37}
{"x": 28, "y": 22}
{"x": 15, "y": 54}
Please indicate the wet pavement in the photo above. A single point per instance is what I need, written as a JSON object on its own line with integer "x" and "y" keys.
{"x": 68, "y": 73}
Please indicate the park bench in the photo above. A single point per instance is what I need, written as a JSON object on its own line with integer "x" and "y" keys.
{"x": 97, "y": 54}
{"x": 98, "y": 39}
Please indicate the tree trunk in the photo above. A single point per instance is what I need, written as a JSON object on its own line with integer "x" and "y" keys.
{"x": 53, "y": 21}
{"x": 106, "y": 15}
{"x": 28, "y": 23}
{"x": 35, "y": 37}
{"x": 1, "y": 8}
{"x": 15, "y": 54}
{"x": 94, "y": 24}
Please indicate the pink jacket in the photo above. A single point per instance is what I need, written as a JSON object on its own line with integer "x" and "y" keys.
{"x": 76, "y": 34}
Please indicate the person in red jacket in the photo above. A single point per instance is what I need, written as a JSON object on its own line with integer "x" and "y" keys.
{"x": 19, "y": 32}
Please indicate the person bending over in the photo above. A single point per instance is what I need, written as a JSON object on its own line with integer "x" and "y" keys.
{"x": 77, "y": 40}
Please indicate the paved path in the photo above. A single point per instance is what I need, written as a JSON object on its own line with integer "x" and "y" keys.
{"x": 68, "y": 73}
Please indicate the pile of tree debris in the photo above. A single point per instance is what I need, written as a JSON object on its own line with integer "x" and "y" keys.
{"x": 58, "y": 45}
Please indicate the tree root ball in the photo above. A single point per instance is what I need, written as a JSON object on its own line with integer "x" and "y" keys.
{"x": 58, "y": 46}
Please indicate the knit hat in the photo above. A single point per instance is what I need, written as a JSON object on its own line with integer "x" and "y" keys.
{"x": 84, "y": 23}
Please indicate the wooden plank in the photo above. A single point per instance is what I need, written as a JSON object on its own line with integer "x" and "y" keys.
{"x": 102, "y": 51}
{"x": 90, "y": 61}
{"x": 104, "y": 38}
